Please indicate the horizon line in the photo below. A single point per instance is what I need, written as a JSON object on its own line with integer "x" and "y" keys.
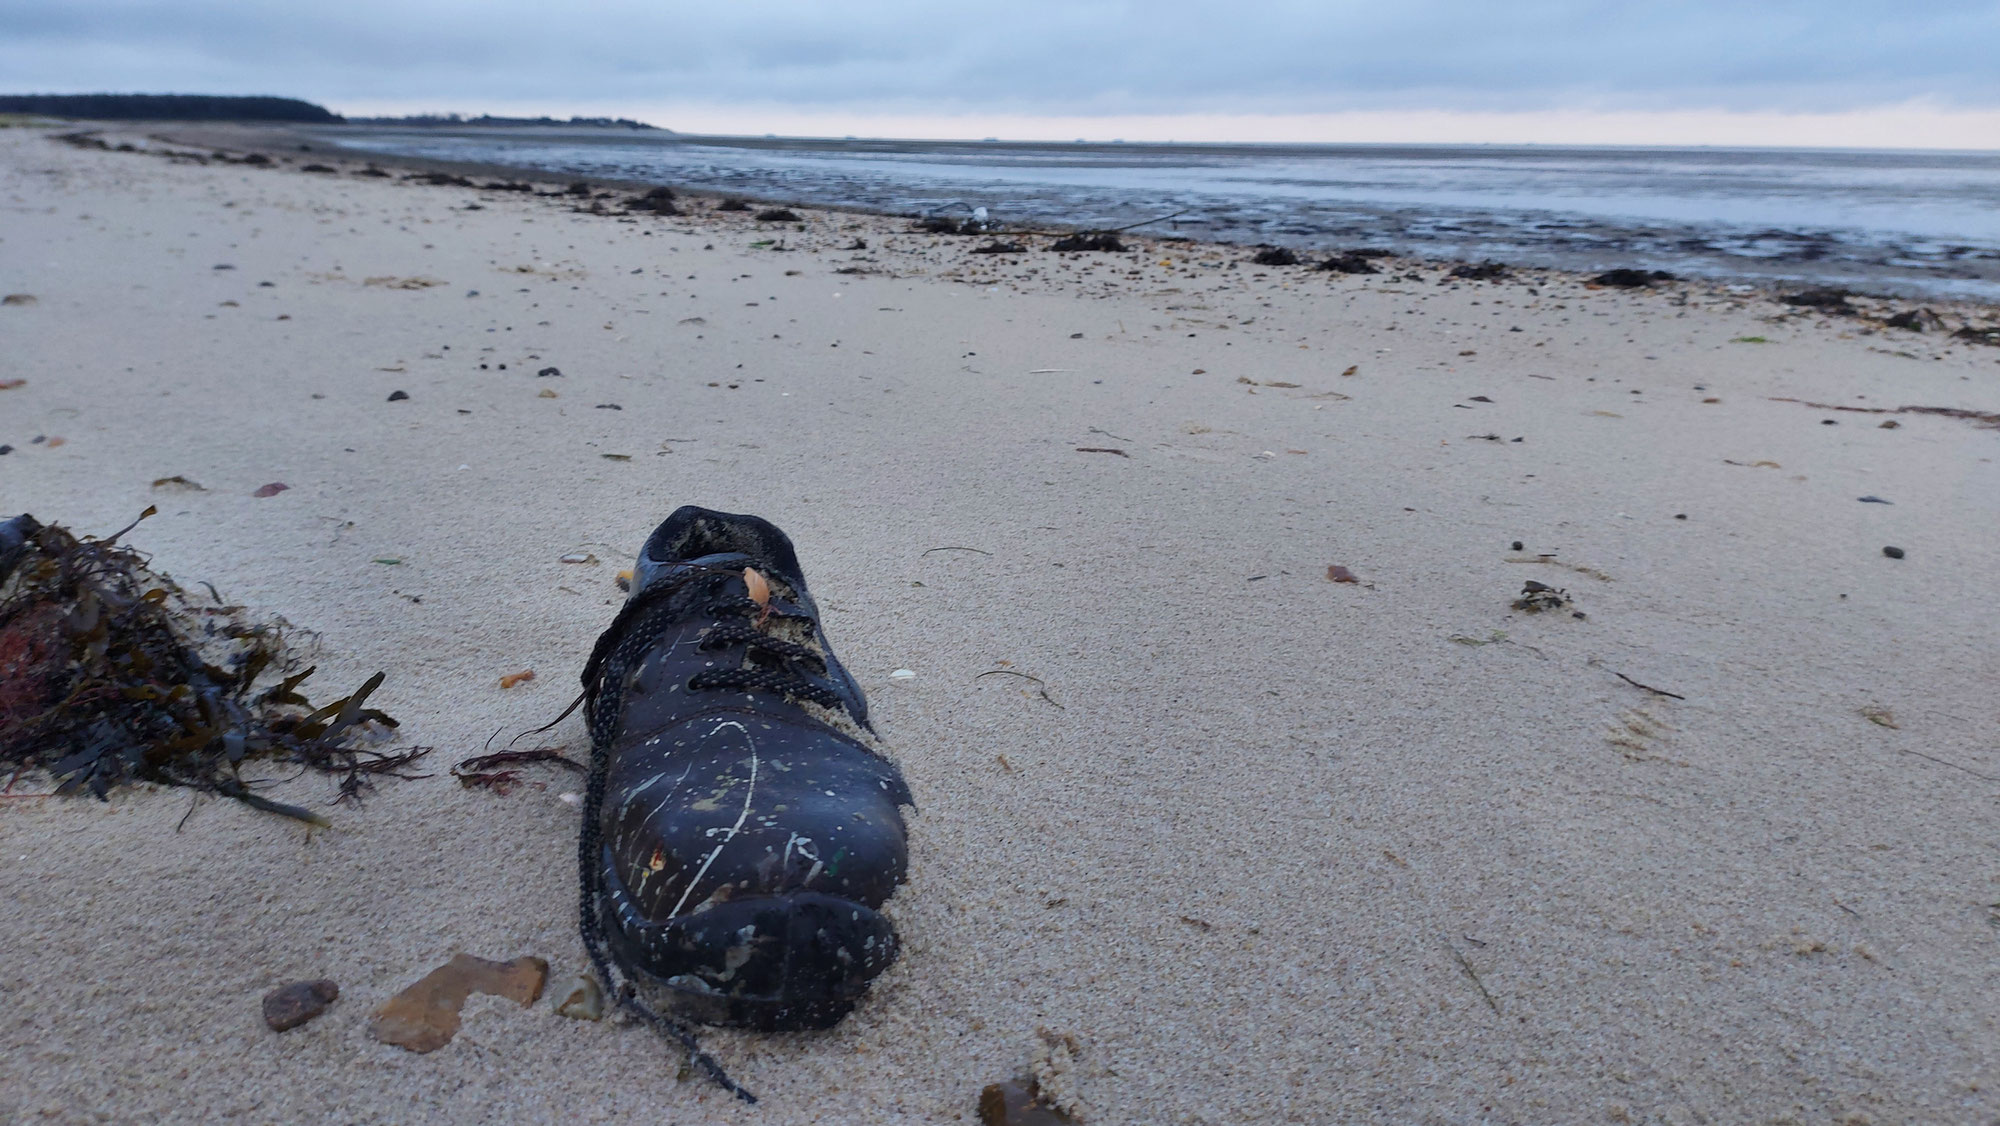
{"x": 1902, "y": 127}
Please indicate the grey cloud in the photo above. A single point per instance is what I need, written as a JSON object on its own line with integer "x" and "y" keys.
{"x": 1034, "y": 56}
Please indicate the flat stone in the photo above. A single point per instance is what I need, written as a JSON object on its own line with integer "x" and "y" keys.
{"x": 289, "y": 1006}
{"x": 425, "y": 1016}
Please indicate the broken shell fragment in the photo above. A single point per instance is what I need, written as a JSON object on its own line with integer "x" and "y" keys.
{"x": 582, "y": 1000}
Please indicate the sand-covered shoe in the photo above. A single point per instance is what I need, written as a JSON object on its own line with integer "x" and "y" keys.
{"x": 742, "y": 827}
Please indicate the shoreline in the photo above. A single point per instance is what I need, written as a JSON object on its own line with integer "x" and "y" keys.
{"x": 283, "y": 142}
{"x": 1261, "y": 845}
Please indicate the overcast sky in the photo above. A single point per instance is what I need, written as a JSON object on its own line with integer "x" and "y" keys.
{"x": 1044, "y": 66}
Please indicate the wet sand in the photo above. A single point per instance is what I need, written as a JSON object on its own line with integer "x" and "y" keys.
{"x": 1267, "y": 847}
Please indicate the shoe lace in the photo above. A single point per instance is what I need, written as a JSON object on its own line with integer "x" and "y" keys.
{"x": 771, "y": 663}
{"x": 619, "y": 984}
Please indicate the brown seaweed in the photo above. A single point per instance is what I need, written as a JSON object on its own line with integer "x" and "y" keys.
{"x": 111, "y": 674}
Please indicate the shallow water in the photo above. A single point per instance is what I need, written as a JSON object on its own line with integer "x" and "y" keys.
{"x": 1919, "y": 223}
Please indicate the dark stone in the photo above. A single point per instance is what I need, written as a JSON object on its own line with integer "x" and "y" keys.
{"x": 1916, "y": 320}
{"x": 547, "y": 372}
{"x": 1088, "y": 240}
{"x": 1518, "y": 545}
{"x": 398, "y": 396}
{"x": 1000, "y": 248}
{"x": 777, "y": 215}
{"x": 1348, "y": 263}
{"x": 579, "y": 188}
{"x": 1625, "y": 277}
{"x": 659, "y": 201}
{"x": 1893, "y": 552}
{"x": 372, "y": 172}
{"x": 289, "y": 1006}
{"x": 732, "y": 205}
{"x": 1825, "y": 300}
{"x": 317, "y": 168}
{"x": 1275, "y": 256}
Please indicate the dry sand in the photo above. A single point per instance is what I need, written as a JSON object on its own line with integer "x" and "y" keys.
{"x": 1272, "y": 848}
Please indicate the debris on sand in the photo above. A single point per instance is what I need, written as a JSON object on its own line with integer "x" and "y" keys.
{"x": 111, "y": 673}
{"x": 425, "y": 1016}
{"x": 777, "y": 215}
{"x": 943, "y": 225}
{"x": 1916, "y": 320}
{"x": 659, "y": 201}
{"x": 997, "y": 247}
{"x": 1979, "y": 334}
{"x": 1352, "y": 262}
{"x": 439, "y": 179}
{"x": 1625, "y": 277}
{"x": 1832, "y": 301}
{"x": 1537, "y": 597}
{"x": 1488, "y": 270}
{"x": 289, "y": 1006}
{"x": 489, "y": 772}
{"x": 732, "y": 205}
{"x": 1017, "y": 1102}
{"x": 1103, "y": 241}
{"x": 18, "y": 299}
{"x": 1986, "y": 419}
{"x": 1275, "y": 256}
{"x": 583, "y": 999}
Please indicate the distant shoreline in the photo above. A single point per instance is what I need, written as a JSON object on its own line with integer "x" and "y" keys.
{"x": 286, "y": 143}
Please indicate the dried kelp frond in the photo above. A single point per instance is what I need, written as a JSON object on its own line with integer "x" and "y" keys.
{"x": 110, "y": 673}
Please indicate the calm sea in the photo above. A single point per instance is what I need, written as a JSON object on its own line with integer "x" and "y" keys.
{"x": 1914, "y": 223}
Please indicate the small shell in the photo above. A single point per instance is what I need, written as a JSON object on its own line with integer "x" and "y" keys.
{"x": 903, "y": 674}
{"x": 582, "y": 1000}
{"x": 758, "y": 586}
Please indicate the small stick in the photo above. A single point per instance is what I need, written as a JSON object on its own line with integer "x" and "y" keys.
{"x": 1647, "y": 687}
{"x": 981, "y": 551}
{"x": 1465, "y": 965}
{"x": 1141, "y": 223}
{"x": 1953, "y": 765}
{"x": 1010, "y": 672}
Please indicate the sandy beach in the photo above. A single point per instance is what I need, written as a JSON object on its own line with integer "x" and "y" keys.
{"x": 1262, "y": 846}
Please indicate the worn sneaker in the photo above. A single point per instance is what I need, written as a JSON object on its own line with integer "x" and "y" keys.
{"x": 742, "y": 828}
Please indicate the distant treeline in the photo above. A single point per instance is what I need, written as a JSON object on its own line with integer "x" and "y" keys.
{"x": 448, "y": 119}
{"x": 166, "y": 107}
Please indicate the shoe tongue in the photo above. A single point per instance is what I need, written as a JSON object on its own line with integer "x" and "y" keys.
{"x": 649, "y": 572}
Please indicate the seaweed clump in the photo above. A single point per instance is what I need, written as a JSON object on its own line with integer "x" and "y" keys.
{"x": 110, "y": 674}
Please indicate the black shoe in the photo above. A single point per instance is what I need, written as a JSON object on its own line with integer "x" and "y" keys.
{"x": 741, "y": 828}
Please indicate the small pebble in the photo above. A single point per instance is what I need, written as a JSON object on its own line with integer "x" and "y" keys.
{"x": 1519, "y": 546}
{"x": 903, "y": 674}
{"x": 398, "y": 396}
{"x": 1893, "y": 552}
{"x": 547, "y": 372}
{"x": 289, "y": 1006}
